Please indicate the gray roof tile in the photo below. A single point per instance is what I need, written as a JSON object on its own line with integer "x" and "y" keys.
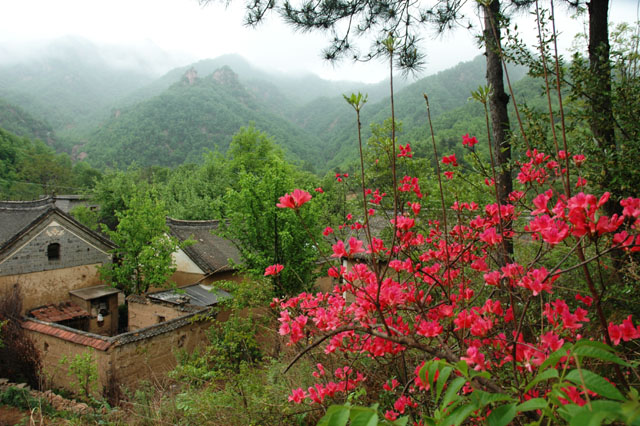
{"x": 210, "y": 252}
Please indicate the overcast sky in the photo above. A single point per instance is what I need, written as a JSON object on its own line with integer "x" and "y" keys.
{"x": 191, "y": 32}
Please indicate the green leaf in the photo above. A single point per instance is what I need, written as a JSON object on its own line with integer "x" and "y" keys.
{"x": 594, "y": 383}
{"x": 599, "y": 353}
{"x": 463, "y": 367}
{"x": 430, "y": 421}
{"x": 459, "y": 415}
{"x": 569, "y": 411}
{"x": 613, "y": 407}
{"x": 482, "y": 398}
{"x": 532, "y": 404}
{"x": 587, "y": 418}
{"x": 442, "y": 379}
{"x": 452, "y": 391}
{"x": 423, "y": 372}
{"x": 502, "y": 415}
{"x": 337, "y": 415}
{"x": 401, "y": 421}
{"x": 483, "y": 374}
{"x": 551, "y": 373}
{"x": 364, "y": 418}
{"x": 555, "y": 357}
{"x": 433, "y": 367}
{"x": 594, "y": 415}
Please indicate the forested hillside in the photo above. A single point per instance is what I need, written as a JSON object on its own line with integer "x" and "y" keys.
{"x": 71, "y": 84}
{"x": 208, "y": 105}
{"x": 114, "y": 117}
{"x": 18, "y": 121}
{"x": 30, "y": 169}
{"x": 196, "y": 114}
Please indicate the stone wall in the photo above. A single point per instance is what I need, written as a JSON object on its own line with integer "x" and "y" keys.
{"x": 32, "y": 256}
{"x": 55, "y": 372}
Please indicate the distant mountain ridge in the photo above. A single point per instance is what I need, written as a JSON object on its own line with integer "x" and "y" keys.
{"x": 112, "y": 117}
{"x": 196, "y": 114}
{"x": 299, "y": 89}
{"x": 72, "y": 86}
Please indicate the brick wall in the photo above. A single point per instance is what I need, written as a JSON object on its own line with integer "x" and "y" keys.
{"x": 32, "y": 257}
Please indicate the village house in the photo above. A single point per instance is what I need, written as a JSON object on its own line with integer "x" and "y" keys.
{"x": 51, "y": 260}
{"x": 45, "y": 253}
{"x": 208, "y": 259}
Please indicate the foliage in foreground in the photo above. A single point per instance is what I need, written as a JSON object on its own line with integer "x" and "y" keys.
{"x": 489, "y": 313}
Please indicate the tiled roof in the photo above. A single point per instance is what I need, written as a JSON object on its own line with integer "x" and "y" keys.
{"x": 197, "y": 295}
{"x": 67, "y": 334}
{"x": 18, "y": 217}
{"x": 61, "y": 312}
{"x": 210, "y": 252}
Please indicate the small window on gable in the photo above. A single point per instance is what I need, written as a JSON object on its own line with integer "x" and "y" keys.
{"x": 53, "y": 251}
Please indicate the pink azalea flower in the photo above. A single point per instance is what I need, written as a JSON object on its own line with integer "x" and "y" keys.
{"x": 294, "y": 200}
{"x": 273, "y": 269}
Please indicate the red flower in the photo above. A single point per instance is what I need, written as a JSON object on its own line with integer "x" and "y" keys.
{"x": 294, "y": 200}
{"x": 451, "y": 159}
{"x": 405, "y": 151}
{"x": 469, "y": 141}
{"x": 297, "y": 395}
{"x": 581, "y": 182}
{"x": 448, "y": 175}
{"x": 273, "y": 269}
{"x": 320, "y": 190}
{"x": 390, "y": 415}
{"x": 578, "y": 159}
{"x": 389, "y": 387}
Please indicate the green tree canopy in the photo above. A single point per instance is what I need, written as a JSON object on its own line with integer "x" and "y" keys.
{"x": 144, "y": 247}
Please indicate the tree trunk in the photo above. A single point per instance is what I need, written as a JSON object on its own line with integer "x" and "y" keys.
{"x": 601, "y": 117}
{"x": 498, "y": 102}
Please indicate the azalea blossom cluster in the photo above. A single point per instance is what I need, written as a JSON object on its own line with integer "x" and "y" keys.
{"x": 436, "y": 291}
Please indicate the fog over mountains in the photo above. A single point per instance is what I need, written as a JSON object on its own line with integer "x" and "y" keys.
{"x": 110, "y": 106}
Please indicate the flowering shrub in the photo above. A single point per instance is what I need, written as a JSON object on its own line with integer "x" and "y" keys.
{"x": 500, "y": 324}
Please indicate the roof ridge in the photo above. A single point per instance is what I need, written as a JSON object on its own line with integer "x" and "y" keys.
{"x": 30, "y": 204}
{"x": 194, "y": 223}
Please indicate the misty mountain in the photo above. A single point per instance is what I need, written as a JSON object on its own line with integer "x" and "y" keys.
{"x": 19, "y": 122}
{"x": 109, "y": 107}
{"x": 448, "y": 93}
{"x": 72, "y": 84}
{"x": 193, "y": 115}
{"x": 298, "y": 89}
{"x": 199, "y": 113}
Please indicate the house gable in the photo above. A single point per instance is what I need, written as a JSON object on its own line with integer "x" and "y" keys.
{"x": 184, "y": 263}
{"x": 54, "y": 241}
{"x": 209, "y": 252}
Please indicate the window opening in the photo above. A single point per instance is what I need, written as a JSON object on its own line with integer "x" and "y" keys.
{"x": 53, "y": 251}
